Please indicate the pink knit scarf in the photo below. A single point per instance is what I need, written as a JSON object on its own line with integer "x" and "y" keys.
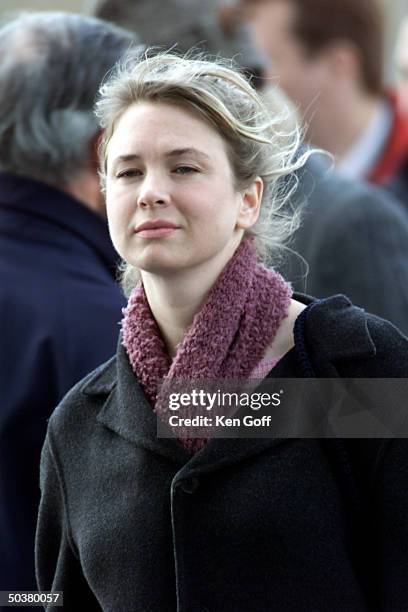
{"x": 227, "y": 338}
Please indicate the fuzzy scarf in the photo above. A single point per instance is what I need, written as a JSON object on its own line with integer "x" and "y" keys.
{"x": 227, "y": 338}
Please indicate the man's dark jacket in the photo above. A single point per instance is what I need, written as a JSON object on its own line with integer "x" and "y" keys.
{"x": 354, "y": 238}
{"x": 60, "y": 308}
{"x": 130, "y": 522}
{"x": 398, "y": 186}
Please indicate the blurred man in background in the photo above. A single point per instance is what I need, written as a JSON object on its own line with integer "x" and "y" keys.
{"x": 59, "y": 302}
{"x": 327, "y": 56}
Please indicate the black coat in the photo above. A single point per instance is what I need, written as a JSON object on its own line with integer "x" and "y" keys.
{"x": 129, "y": 522}
{"x": 59, "y": 308}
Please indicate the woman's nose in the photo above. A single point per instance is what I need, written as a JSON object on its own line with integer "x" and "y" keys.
{"x": 153, "y": 193}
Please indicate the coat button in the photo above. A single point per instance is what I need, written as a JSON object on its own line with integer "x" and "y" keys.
{"x": 190, "y": 485}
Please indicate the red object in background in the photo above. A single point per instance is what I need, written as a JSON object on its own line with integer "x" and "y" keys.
{"x": 395, "y": 153}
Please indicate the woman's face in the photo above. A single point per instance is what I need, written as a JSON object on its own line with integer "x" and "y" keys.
{"x": 169, "y": 169}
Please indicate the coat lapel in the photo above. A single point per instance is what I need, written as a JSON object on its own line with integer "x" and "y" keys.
{"x": 126, "y": 411}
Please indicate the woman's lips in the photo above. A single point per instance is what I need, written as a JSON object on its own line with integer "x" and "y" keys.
{"x": 156, "y": 228}
{"x": 157, "y": 232}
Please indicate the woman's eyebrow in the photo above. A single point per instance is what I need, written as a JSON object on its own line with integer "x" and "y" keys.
{"x": 124, "y": 158}
{"x": 172, "y": 153}
{"x": 187, "y": 151}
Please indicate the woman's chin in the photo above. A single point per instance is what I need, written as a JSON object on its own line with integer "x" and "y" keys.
{"x": 155, "y": 258}
{"x": 158, "y": 266}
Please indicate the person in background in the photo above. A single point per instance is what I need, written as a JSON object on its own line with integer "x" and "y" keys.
{"x": 399, "y": 185}
{"x": 192, "y": 162}
{"x": 209, "y": 25}
{"x": 354, "y": 239}
{"x": 327, "y": 56}
{"x": 401, "y": 65}
{"x": 353, "y": 236}
{"x": 59, "y": 302}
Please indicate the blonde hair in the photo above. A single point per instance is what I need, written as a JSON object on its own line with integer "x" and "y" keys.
{"x": 259, "y": 143}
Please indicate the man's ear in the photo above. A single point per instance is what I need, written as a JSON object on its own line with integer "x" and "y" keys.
{"x": 250, "y": 205}
{"x": 343, "y": 60}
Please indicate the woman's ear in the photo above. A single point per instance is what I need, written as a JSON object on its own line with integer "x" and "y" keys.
{"x": 250, "y": 205}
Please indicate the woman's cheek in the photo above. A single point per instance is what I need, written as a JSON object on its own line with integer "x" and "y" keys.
{"x": 116, "y": 222}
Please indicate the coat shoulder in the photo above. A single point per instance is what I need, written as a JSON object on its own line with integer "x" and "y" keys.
{"x": 359, "y": 344}
{"x": 391, "y": 348}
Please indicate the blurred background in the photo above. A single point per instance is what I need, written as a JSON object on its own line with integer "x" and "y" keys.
{"x": 394, "y": 11}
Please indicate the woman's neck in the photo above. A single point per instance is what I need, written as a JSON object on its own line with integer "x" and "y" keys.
{"x": 175, "y": 299}
{"x": 173, "y": 311}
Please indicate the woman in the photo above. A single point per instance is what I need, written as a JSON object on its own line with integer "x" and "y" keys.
{"x": 129, "y": 521}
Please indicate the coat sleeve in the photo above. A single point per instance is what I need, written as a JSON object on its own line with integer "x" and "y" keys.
{"x": 58, "y": 567}
{"x": 391, "y": 493}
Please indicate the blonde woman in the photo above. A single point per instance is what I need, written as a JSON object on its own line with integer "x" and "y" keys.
{"x": 191, "y": 162}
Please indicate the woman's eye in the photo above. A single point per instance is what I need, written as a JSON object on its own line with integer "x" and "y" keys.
{"x": 128, "y": 173}
{"x": 185, "y": 170}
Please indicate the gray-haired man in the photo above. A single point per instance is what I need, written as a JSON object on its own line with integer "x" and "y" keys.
{"x": 59, "y": 303}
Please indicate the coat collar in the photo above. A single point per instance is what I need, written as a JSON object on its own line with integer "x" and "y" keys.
{"x": 334, "y": 329}
{"x": 37, "y": 199}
